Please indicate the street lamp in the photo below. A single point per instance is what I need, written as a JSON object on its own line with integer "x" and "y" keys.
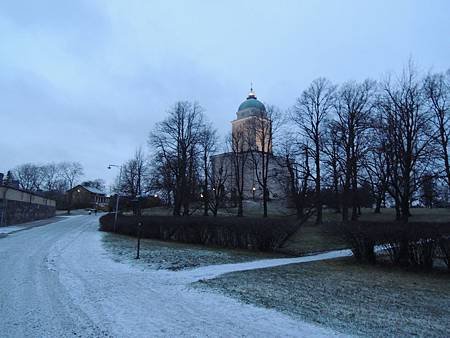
{"x": 118, "y": 193}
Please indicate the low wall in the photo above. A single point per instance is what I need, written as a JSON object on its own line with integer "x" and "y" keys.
{"x": 17, "y": 206}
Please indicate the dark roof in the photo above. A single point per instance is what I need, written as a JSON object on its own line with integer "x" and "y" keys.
{"x": 90, "y": 189}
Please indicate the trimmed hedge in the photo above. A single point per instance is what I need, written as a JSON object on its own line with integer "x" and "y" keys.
{"x": 411, "y": 244}
{"x": 263, "y": 234}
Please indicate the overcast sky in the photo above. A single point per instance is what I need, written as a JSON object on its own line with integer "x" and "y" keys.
{"x": 86, "y": 80}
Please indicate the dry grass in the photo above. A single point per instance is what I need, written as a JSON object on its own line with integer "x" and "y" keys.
{"x": 277, "y": 209}
{"x": 349, "y": 298}
{"x": 313, "y": 238}
{"x": 173, "y": 256}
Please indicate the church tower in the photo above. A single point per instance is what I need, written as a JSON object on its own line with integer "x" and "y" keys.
{"x": 252, "y": 130}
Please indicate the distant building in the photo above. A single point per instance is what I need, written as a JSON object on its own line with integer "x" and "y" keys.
{"x": 251, "y": 113}
{"x": 83, "y": 197}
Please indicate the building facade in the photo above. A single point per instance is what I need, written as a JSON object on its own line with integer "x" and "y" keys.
{"x": 82, "y": 196}
{"x": 251, "y": 141}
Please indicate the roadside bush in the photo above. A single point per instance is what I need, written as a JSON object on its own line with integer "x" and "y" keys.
{"x": 263, "y": 234}
{"x": 412, "y": 244}
{"x": 444, "y": 250}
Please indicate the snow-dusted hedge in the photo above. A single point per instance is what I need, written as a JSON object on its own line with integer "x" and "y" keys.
{"x": 412, "y": 244}
{"x": 263, "y": 234}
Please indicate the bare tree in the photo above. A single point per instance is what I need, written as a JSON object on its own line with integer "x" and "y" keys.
{"x": 29, "y": 176}
{"x": 219, "y": 178}
{"x": 161, "y": 179}
{"x": 51, "y": 176}
{"x": 239, "y": 158}
{"x": 310, "y": 113}
{"x": 332, "y": 160}
{"x": 375, "y": 163}
{"x": 134, "y": 175}
{"x": 176, "y": 140}
{"x": 437, "y": 91}
{"x": 409, "y": 141}
{"x": 207, "y": 145}
{"x": 295, "y": 158}
{"x": 71, "y": 172}
{"x": 262, "y": 128}
{"x": 354, "y": 105}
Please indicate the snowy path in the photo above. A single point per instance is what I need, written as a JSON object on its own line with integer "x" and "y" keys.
{"x": 213, "y": 271}
{"x": 57, "y": 281}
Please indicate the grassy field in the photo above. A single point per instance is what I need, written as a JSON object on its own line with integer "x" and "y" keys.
{"x": 350, "y": 298}
{"x": 277, "y": 209}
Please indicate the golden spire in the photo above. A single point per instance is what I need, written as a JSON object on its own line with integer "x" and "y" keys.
{"x": 252, "y": 94}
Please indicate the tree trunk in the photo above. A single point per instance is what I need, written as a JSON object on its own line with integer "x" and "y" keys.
{"x": 378, "y": 205}
{"x": 265, "y": 198}
{"x": 318, "y": 193}
{"x": 240, "y": 211}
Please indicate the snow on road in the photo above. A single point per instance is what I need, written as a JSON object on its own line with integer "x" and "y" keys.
{"x": 10, "y": 229}
{"x": 58, "y": 281}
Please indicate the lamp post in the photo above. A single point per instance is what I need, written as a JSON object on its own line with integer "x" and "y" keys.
{"x": 118, "y": 193}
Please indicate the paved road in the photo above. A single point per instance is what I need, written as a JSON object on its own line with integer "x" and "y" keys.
{"x": 57, "y": 281}
{"x": 33, "y": 301}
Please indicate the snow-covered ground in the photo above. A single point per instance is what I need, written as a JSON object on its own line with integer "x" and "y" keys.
{"x": 58, "y": 280}
{"x": 174, "y": 256}
{"x": 358, "y": 299}
{"x": 5, "y": 230}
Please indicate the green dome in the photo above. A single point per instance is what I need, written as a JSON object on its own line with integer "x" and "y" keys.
{"x": 251, "y": 107}
{"x": 252, "y": 103}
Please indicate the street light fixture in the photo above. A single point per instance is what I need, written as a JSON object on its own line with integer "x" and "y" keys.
{"x": 110, "y": 166}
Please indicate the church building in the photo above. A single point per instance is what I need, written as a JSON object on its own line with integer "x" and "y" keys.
{"x": 251, "y": 139}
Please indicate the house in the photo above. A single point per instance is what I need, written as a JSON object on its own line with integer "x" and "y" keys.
{"x": 82, "y": 196}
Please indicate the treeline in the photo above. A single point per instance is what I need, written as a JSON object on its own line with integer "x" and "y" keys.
{"x": 343, "y": 146}
{"x": 48, "y": 177}
{"x": 390, "y": 136}
{"x": 51, "y": 180}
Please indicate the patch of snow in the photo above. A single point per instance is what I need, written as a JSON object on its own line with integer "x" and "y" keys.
{"x": 136, "y": 302}
{"x": 11, "y": 229}
{"x": 213, "y": 271}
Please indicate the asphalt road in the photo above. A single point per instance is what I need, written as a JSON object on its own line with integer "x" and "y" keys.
{"x": 57, "y": 280}
{"x": 33, "y": 302}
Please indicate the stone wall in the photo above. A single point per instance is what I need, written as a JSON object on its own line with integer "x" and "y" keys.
{"x": 17, "y": 206}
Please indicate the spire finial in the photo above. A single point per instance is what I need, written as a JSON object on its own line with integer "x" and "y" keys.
{"x": 252, "y": 94}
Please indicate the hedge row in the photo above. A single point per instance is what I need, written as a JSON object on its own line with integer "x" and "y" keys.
{"x": 263, "y": 234}
{"x": 412, "y": 244}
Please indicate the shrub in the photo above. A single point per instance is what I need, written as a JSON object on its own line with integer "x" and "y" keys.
{"x": 263, "y": 234}
{"x": 413, "y": 244}
{"x": 444, "y": 250}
